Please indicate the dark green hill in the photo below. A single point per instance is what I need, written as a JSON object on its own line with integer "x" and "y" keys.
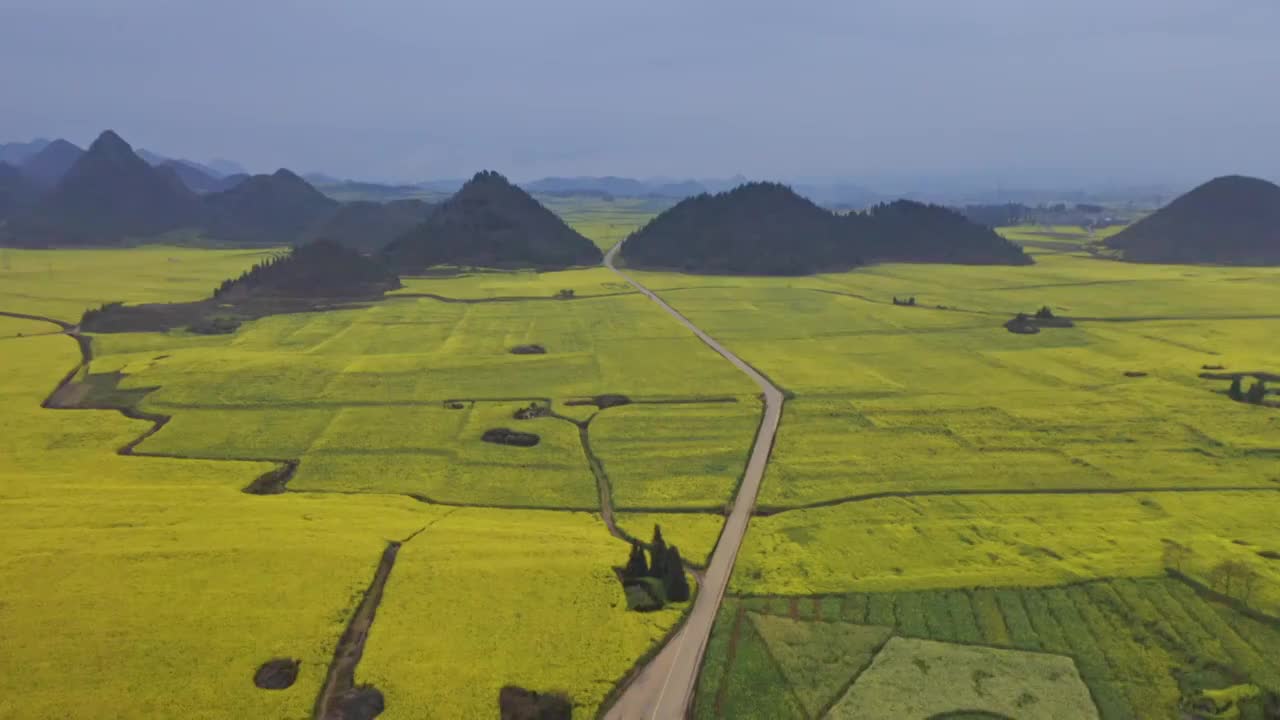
{"x": 909, "y": 231}
{"x": 17, "y": 193}
{"x": 110, "y": 194}
{"x": 491, "y": 223}
{"x": 276, "y": 209}
{"x": 755, "y": 229}
{"x": 51, "y": 164}
{"x": 370, "y": 226}
{"x": 768, "y": 229}
{"x": 320, "y": 269}
{"x": 1231, "y": 220}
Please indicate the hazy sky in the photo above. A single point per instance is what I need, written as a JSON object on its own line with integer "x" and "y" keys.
{"x": 414, "y": 89}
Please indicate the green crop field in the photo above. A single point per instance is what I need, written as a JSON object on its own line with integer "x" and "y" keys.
{"x": 605, "y": 222}
{"x": 1130, "y": 647}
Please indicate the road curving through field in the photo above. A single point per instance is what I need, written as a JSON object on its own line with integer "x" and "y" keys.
{"x": 664, "y": 688}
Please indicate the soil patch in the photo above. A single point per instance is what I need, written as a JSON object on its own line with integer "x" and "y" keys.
{"x": 528, "y": 350}
{"x": 340, "y": 698}
{"x": 1134, "y": 373}
{"x": 277, "y": 674}
{"x": 517, "y": 703}
{"x": 505, "y": 436}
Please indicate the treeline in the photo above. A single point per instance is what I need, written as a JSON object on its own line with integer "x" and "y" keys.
{"x": 767, "y": 229}
{"x": 1003, "y": 215}
{"x": 318, "y": 269}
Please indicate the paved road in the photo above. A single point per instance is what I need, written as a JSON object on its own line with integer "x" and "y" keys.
{"x": 663, "y": 690}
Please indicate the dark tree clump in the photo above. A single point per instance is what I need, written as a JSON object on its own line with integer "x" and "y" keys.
{"x": 677, "y": 586}
{"x": 1235, "y": 392}
{"x": 658, "y": 551}
{"x": 637, "y": 566}
{"x": 1257, "y": 393}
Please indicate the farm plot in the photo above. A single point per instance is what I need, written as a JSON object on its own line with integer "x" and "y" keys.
{"x": 161, "y": 587}
{"x": 1009, "y": 540}
{"x": 1140, "y": 645}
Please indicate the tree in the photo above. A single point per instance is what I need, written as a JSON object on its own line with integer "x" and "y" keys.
{"x": 1257, "y": 392}
{"x": 1044, "y": 313}
{"x": 1235, "y": 392}
{"x": 676, "y": 584}
{"x": 658, "y": 555}
{"x": 636, "y": 565}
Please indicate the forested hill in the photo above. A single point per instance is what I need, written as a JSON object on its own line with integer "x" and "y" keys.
{"x": 320, "y": 269}
{"x": 1231, "y": 220}
{"x": 768, "y": 229}
{"x": 491, "y": 223}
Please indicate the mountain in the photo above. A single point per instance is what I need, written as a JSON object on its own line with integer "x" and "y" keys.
{"x": 48, "y": 166}
{"x": 615, "y": 186}
{"x": 17, "y": 193}
{"x": 755, "y": 229}
{"x": 225, "y": 167}
{"x": 274, "y": 209}
{"x": 1231, "y": 220}
{"x": 764, "y": 228}
{"x": 108, "y": 195}
{"x": 16, "y": 153}
{"x": 371, "y": 226}
{"x": 199, "y": 181}
{"x": 157, "y": 160}
{"x": 491, "y": 223}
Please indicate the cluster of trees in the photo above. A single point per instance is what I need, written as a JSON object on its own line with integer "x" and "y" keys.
{"x": 911, "y": 301}
{"x": 1002, "y": 215}
{"x": 768, "y": 229}
{"x": 491, "y": 223}
{"x": 653, "y": 582}
{"x": 320, "y": 269}
{"x": 1255, "y": 395}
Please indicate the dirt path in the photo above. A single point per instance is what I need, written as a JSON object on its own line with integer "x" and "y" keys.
{"x": 664, "y": 688}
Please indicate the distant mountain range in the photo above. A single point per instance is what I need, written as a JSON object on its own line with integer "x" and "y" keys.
{"x": 110, "y": 194}
{"x": 1231, "y": 220}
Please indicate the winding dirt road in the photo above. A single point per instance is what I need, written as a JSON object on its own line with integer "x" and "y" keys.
{"x": 664, "y": 688}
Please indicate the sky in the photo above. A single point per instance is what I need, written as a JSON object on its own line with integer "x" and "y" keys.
{"x": 403, "y": 90}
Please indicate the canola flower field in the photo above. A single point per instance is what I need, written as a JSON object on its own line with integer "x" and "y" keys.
{"x": 936, "y": 478}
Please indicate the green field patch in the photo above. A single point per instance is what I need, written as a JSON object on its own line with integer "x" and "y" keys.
{"x": 675, "y": 455}
{"x": 924, "y": 679}
{"x": 819, "y": 659}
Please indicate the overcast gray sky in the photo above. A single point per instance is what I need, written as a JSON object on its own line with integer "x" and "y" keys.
{"x": 413, "y": 89}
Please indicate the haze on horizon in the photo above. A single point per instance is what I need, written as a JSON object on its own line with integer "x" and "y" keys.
{"x": 1140, "y": 91}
